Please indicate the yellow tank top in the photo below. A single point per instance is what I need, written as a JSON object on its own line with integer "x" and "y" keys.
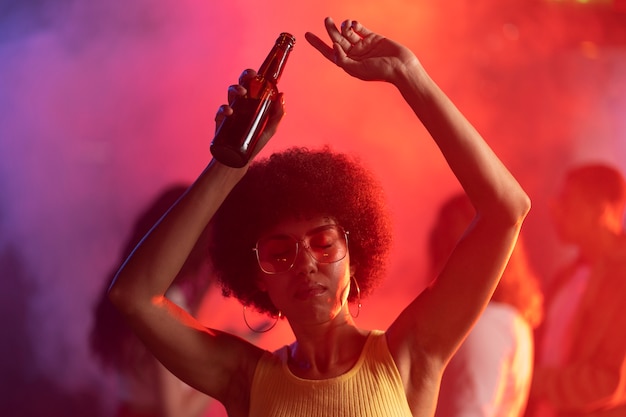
{"x": 372, "y": 388}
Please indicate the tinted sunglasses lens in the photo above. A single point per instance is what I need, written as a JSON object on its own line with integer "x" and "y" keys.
{"x": 276, "y": 254}
{"x": 328, "y": 245}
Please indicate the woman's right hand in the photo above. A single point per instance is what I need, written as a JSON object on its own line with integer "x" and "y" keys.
{"x": 277, "y": 109}
{"x": 363, "y": 53}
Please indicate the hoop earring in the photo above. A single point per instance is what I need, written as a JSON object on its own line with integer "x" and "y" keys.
{"x": 358, "y": 298}
{"x": 245, "y": 319}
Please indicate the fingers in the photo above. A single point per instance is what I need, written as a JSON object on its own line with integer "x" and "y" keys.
{"x": 320, "y": 45}
{"x": 349, "y": 33}
{"x": 234, "y": 91}
{"x": 360, "y": 30}
{"x": 223, "y": 112}
{"x": 342, "y": 40}
{"x": 277, "y": 110}
{"x": 246, "y": 76}
{"x": 335, "y": 35}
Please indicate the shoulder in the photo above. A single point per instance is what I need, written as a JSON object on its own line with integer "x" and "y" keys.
{"x": 499, "y": 331}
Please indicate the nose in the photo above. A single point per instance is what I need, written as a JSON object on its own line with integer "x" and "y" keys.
{"x": 305, "y": 262}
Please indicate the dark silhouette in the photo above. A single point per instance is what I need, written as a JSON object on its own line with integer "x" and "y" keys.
{"x": 147, "y": 388}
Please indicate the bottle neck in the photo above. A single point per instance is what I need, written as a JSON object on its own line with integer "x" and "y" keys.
{"x": 272, "y": 67}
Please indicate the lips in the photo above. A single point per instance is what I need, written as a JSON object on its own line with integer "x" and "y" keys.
{"x": 309, "y": 291}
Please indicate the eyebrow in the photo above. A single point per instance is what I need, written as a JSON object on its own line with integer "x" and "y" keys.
{"x": 308, "y": 233}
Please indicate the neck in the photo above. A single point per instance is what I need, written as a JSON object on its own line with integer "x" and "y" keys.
{"x": 326, "y": 353}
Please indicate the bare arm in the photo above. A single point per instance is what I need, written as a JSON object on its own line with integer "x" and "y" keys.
{"x": 444, "y": 313}
{"x": 431, "y": 328}
{"x": 214, "y": 362}
{"x": 203, "y": 358}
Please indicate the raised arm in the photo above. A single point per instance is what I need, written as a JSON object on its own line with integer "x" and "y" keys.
{"x": 437, "y": 321}
{"x": 211, "y": 361}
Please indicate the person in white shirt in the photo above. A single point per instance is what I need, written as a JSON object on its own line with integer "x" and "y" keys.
{"x": 490, "y": 374}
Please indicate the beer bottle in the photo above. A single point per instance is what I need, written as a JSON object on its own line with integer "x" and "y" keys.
{"x": 238, "y": 134}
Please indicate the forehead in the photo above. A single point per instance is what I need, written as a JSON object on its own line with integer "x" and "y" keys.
{"x": 299, "y": 226}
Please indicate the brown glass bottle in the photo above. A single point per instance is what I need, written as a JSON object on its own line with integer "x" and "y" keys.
{"x": 238, "y": 134}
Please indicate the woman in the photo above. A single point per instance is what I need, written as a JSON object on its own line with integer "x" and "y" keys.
{"x": 302, "y": 267}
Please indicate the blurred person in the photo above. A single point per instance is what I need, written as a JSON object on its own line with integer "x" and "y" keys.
{"x": 146, "y": 387}
{"x": 302, "y": 235}
{"x": 490, "y": 374}
{"x": 581, "y": 363}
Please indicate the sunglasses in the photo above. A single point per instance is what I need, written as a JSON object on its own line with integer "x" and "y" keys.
{"x": 278, "y": 253}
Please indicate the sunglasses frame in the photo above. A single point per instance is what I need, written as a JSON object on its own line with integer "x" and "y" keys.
{"x": 301, "y": 242}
